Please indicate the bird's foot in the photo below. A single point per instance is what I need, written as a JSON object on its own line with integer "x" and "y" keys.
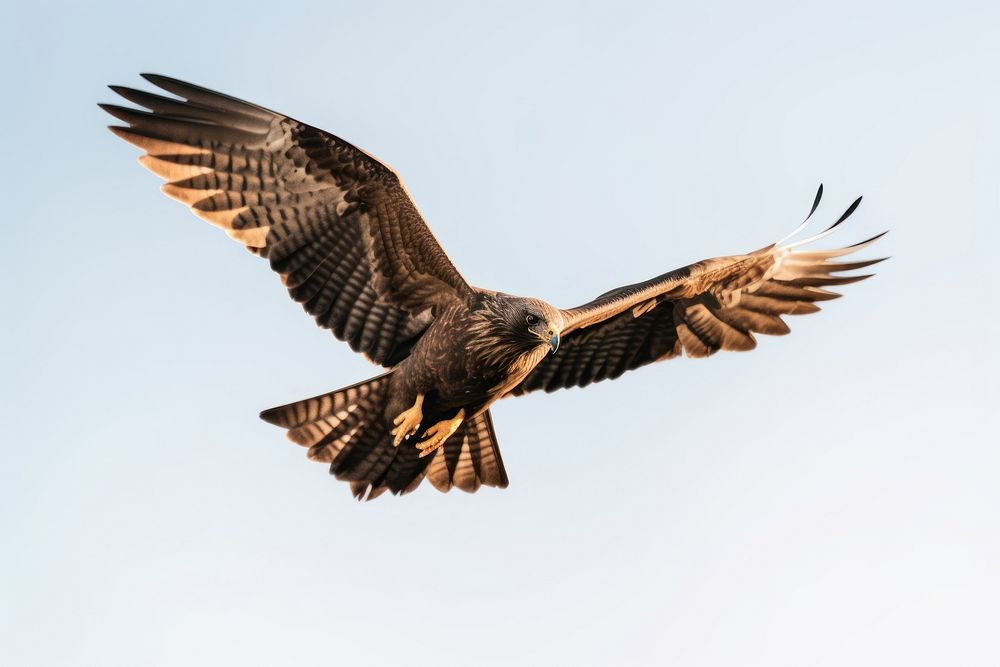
{"x": 438, "y": 433}
{"x": 408, "y": 421}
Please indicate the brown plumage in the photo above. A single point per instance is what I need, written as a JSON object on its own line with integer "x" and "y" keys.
{"x": 341, "y": 230}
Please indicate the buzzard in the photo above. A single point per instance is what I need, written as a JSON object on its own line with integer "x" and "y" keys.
{"x": 345, "y": 236}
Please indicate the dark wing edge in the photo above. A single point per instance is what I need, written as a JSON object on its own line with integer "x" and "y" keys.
{"x": 716, "y": 304}
{"x": 337, "y": 225}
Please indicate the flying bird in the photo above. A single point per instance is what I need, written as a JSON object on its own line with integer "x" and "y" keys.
{"x": 347, "y": 240}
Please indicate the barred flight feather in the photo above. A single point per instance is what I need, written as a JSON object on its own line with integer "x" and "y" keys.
{"x": 716, "y": 304}
{"x": 284, "y": 189}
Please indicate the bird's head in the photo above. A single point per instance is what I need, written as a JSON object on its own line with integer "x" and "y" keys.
{"x": 543, "y": 322}
{"x": 528, "y": 323}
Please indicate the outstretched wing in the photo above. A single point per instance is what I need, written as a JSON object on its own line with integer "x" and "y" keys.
{"x": 717, "y": 304}
{"x": 334, "y": 222}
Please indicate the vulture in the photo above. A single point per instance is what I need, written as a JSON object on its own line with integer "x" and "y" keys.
{"x": 341, "y": 230}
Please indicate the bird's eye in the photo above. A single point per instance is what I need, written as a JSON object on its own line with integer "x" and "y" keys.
{"x": 531, "y": 319}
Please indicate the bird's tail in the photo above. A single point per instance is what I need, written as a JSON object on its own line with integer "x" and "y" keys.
{"x": 346, "y": 428}
{"x": 349, "y": 429}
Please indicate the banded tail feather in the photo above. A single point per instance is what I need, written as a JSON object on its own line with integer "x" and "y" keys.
{"x": 469, "y": 459}
{"x": 349, "y": 429}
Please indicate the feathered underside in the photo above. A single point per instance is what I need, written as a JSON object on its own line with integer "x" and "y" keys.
{"x": 716, "y": 304}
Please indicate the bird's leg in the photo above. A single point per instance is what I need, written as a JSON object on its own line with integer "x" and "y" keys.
{"x": 408, "y": 421}
{"x": 438, "y": 433}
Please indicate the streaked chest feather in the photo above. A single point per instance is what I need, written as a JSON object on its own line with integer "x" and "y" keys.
{"x": 519, "y": 369}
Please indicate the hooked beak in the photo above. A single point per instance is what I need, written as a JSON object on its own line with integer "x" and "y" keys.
{"x": 554, "y": 342}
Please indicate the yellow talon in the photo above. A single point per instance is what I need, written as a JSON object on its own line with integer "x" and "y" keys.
{"x": 408, "y": 421}
{"x": 438, "y": 433}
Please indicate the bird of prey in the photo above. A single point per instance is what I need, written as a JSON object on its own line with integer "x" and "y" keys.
{"x": 348, "y": 242}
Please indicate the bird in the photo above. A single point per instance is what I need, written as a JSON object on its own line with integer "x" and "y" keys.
{"x": 343, "y": 233}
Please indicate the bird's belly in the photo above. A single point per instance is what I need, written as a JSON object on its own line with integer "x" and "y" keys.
{"x": 473, "y": 389}
{"x": 448, "y": 382}
{"x": 483, "y": 384}
{"x": 457, "y": 371}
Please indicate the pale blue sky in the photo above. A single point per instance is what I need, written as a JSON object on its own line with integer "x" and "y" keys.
{"x": 828, "y": 499}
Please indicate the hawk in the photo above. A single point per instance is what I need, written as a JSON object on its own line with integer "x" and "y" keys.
{"x": 347, "y": 240}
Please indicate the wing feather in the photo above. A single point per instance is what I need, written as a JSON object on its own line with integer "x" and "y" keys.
{"x": 716, "y": 304}
{"x": 336, "y": 224}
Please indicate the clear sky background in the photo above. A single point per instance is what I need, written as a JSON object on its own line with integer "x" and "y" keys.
{"x": 831, "y": 498}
